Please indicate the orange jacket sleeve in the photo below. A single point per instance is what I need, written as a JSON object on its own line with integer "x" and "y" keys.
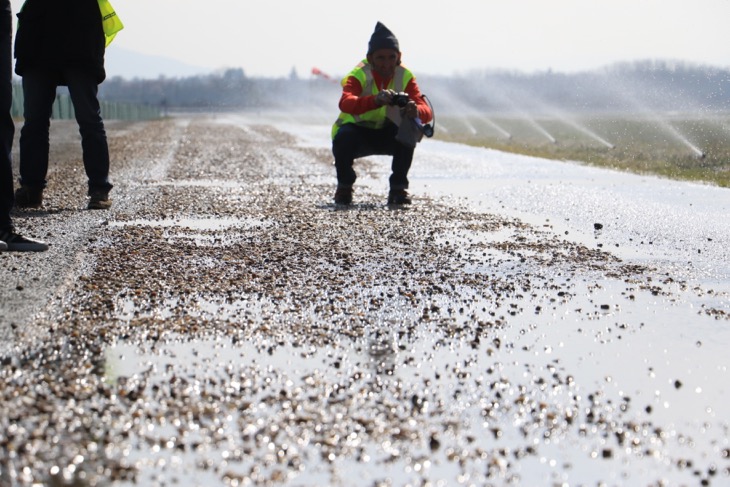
{"x": 351, "y": 102}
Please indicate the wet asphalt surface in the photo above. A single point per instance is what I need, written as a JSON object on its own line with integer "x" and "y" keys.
{"x": 225, "y": 324}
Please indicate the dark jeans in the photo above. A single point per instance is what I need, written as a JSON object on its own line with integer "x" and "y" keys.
{"x": 353, "y": 141}
{"x": 39, "y": 90}
{"x": 7, "y": 127}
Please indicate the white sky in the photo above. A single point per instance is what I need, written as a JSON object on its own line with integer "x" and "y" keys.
{"x": 270, "y": 37}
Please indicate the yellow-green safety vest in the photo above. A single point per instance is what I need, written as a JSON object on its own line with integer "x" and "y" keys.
{"x": 374, "y": 118}
{"x": 110, "y": 21}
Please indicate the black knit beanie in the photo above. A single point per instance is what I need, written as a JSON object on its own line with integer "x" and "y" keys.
{"x": 382, "y": 38}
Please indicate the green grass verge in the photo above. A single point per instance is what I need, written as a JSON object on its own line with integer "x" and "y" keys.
{"x": 645, "y": 145}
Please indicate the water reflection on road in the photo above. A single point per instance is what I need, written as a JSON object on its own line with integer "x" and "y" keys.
{"x": 554, "y": 365}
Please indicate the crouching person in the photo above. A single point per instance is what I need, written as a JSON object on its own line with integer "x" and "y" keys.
{"x": 381, "y": 107}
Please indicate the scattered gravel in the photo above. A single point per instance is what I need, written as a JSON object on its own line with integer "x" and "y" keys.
{"x": 225, "y": 323}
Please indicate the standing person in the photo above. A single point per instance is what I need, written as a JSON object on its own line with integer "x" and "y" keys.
{"x": 369, "y": 122}
{"x": 9, "y": 240}
{"x": 61, "y": 43}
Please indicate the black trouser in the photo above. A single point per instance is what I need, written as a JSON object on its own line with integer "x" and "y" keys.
{"x": 7, "y": 127}
{"x": 353, "y": 141}
{"x": 39, "y": 90}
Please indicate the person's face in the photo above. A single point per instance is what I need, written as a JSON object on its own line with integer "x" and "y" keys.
{"x": 384, "y": 61}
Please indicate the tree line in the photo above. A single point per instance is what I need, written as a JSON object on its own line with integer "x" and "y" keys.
{"x": 635, "y": 86}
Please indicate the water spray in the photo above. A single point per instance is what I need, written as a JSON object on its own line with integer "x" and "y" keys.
{"x": 499, "y": 129}
{"x": 626, "y": 94}
{"x": 585, "y": 130}
{"x": 542, "y": 130}
{"x": 670, "y": 128}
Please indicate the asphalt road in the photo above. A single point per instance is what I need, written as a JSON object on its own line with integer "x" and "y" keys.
{"x": 225, "y": 324}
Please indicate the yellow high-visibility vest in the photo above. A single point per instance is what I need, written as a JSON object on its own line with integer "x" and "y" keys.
{"x": 110, "y": 21}
{"x": 374, "y": 118}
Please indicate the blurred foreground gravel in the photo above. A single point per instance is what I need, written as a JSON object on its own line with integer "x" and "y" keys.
{"x": 225, "y": 324}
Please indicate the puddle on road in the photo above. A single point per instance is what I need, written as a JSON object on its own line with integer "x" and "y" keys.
{"x": 261, "y": 408}
{"x": 544, "y": 399}
{"x": 252, "y": 372}
{"x": 630, "y": 235}
{"x": 200, "y": 183}
{"x": 208, "y": 224}
{"x": 199, "y": 307}
{"x": 202, "y": 231}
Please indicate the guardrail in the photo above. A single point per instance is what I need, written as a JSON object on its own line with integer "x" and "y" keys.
{"x": 63, "y": 108}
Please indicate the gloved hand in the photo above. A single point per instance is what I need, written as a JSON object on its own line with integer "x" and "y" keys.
{"x": 384, "y": 97}
{"x": 410, "y": 110}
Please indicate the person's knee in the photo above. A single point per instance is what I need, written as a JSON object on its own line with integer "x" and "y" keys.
{"x": 342, "y": 146}
{"x": 343, "y": 133}
{"x": 40, "y": 125}
{"x": 92, "y": 130}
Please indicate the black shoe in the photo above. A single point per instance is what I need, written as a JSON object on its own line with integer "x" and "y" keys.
{"x": 399, "y": 197}
{"x": 343, "y": 196}
{"x": 28, "y": 197}
{"x": 99, "y": 200}
{"x": 18, "y": 243}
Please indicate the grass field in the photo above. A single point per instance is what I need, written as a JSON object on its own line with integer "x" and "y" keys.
{"x": 687, "y": 147}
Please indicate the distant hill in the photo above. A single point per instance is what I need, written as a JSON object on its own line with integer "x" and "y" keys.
{"x": 130, "y": 65}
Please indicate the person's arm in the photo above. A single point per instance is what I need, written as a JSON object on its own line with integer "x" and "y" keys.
{"x": 351, "y": 102}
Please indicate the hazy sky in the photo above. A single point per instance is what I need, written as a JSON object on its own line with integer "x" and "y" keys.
{"x": 270, "y": 37}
